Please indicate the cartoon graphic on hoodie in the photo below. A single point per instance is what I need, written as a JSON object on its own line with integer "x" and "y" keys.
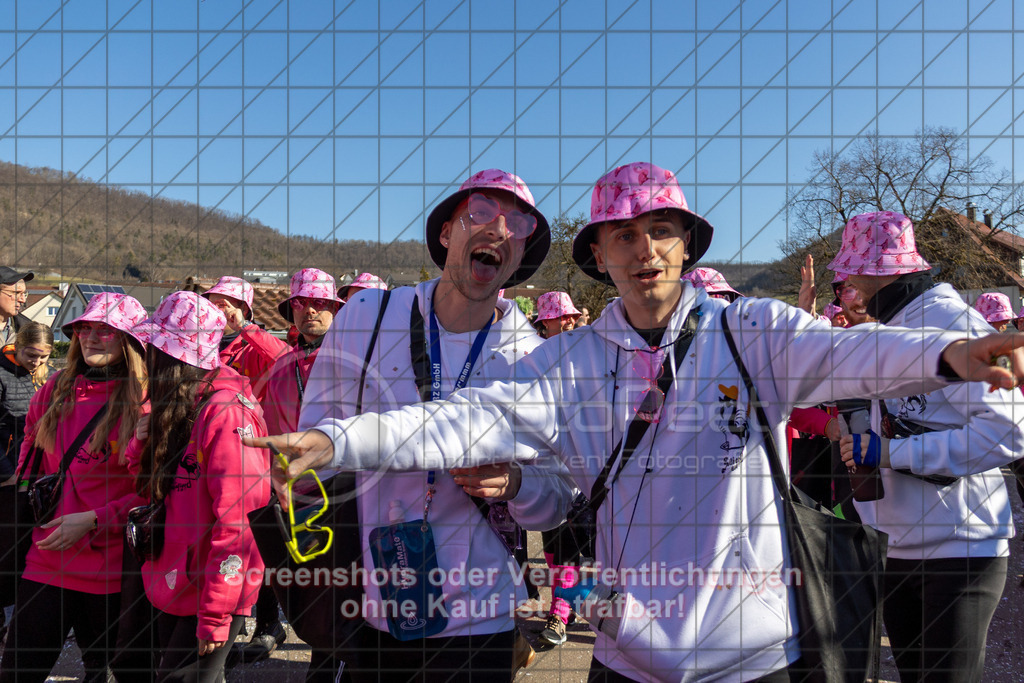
{"x": 733, "y": 424}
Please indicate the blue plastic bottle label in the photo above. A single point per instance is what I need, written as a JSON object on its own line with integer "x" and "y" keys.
{"x": 412, "y": 596}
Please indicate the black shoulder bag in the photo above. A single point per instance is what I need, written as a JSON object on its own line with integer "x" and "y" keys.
{"x": 44, "y": 492}
{"x": 840, "y": 563}
{"x": 16, "y": 524}
{"x": 313, "y": 606}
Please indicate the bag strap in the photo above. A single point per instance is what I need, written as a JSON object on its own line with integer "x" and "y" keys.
{"x": 369, "y": 350}
{"x": 638, "y": 427}
{"x": 782, "y": 482}
{"x": 419, "y": 351}
{"x": 86, "y": 432}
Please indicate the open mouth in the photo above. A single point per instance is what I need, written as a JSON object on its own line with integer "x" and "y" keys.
{"x": 485, "y": 263}
{"x": 647, "y": 275}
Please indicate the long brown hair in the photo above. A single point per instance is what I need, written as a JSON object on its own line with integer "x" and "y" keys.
{"x": 125, "y": 403}
{"x": 35, "y": 334}
{"x": 174, "y": 387}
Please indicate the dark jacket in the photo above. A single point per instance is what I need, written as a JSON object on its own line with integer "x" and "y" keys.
{"x": 16, "y": 390}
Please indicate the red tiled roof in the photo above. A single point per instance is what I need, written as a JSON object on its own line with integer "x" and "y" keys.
{"x": 980, "y": 234}
{"x": 265, "y": 298}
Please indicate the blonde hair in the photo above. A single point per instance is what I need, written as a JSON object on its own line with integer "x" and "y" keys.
{"x": 125, "y": 404}
{"x": 36, "y": 334}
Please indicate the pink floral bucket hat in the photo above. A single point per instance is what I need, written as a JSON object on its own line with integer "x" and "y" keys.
{"x": 236, "y": 288}
{"x": 630, "y": 191}
{"x": 537, "y": 244}
{"x": 878, "y": 243}
{"x": 188, "y": 327}
{"x": 364, "y": 281}
{"x": 311, "y": 283}
{"x": 712, "y": 281}
{"x": 120, "y": 311}
{"x": 831, "y": 311}
{"x": 995, "y": 307}
{"x": 554, "y": 305}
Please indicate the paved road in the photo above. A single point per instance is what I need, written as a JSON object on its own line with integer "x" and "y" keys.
{"x": 569, "y": 663}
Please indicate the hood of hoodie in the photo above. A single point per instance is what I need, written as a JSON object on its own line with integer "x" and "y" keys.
{"x": 941, "y": 306}
{"x": 228, "y": 379}
{"x": 614, "y": 326}
{"x": 510, "y": 327}
{"x": 8, "y": 363}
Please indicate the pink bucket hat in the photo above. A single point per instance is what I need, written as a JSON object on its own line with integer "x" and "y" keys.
{"x": 234, "y": 287}
{"x": 119, "y": 311}
{"x": 554, "y": 305}
{"x": 831, "y": 311}
{"x": 311, "y": 283}
{"x": 630, "y": 191}
{"x": 878, "y": 243}
{"x": 364, "y": 281}
{"x": 712, "y": 281}
{"x": 995, "y": 307}
{"x": 537, "y": 244}
{"x": 188, "y": 327}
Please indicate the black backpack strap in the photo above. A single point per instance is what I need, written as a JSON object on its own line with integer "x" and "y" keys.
{"x": 418, "y": 350}
{"x": 369, "y": 351}
{"x": 638, "y": 427}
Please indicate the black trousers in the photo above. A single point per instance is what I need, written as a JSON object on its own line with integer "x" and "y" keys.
{"x": 179, "y": 657}
{"x": 42, "y": 618}
{"x": 937, "y": 614}
{"x": 484, "y": 658}
{"x": 599, "y": 673}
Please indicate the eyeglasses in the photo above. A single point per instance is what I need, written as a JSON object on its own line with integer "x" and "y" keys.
{"x": 101, "y": 331}
{"x": 650, "y": 365}
{"x": 300, "y": 303}
{"x": 15, "y": 293}
{"x": 304, "y": 539}
{"x": 847, "y": 293}
{"x": 483, "y": 210}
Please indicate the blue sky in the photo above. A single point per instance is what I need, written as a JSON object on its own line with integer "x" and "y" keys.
{"x": 353, "y": 118}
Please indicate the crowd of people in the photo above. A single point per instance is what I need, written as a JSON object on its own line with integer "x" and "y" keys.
{"x": 444, "y": 419}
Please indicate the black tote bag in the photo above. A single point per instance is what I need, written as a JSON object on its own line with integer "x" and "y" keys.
{"x": 318, "y": 596}
{"x": 841, "y": 565}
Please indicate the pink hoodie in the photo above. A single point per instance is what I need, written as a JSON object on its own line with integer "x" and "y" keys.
{"x": 209, "y": 566}
{"x": 283, "y": 400}
{"x": 95, "y": 481}
{"x": 252, "y": 353}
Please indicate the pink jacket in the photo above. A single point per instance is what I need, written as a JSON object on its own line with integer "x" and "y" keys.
{"x": 252, "y": 353}
{"x": 95, "y": 481}
{"x": 209, "y": 566}
{"x": 283, "y": 400}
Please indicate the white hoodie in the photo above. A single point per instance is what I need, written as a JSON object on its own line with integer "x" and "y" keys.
{"x": 462, "y": 537}
{"x": 696, "y": 504}
{"x": 978, "y": 432}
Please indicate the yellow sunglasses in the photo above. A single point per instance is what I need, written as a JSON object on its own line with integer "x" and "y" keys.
{"x": 304, "y": 539}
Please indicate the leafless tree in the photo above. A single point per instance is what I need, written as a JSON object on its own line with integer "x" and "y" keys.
{"x": 561, "y": 273}
{"x": 928, "y": 178}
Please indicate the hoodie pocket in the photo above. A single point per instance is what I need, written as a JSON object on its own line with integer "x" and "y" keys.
{"x": 167, "y": 577}
{"x": 727, "y": 609}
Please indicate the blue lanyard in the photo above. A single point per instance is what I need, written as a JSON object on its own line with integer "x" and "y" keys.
{"x": 435, "y": 379}
{"x": 435, "y": 356}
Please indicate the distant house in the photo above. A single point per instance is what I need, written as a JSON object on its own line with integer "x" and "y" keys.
{"x": 1003, "y": 250}
{"x": 74, "y": 303}
{"x": 42, "y": 305}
